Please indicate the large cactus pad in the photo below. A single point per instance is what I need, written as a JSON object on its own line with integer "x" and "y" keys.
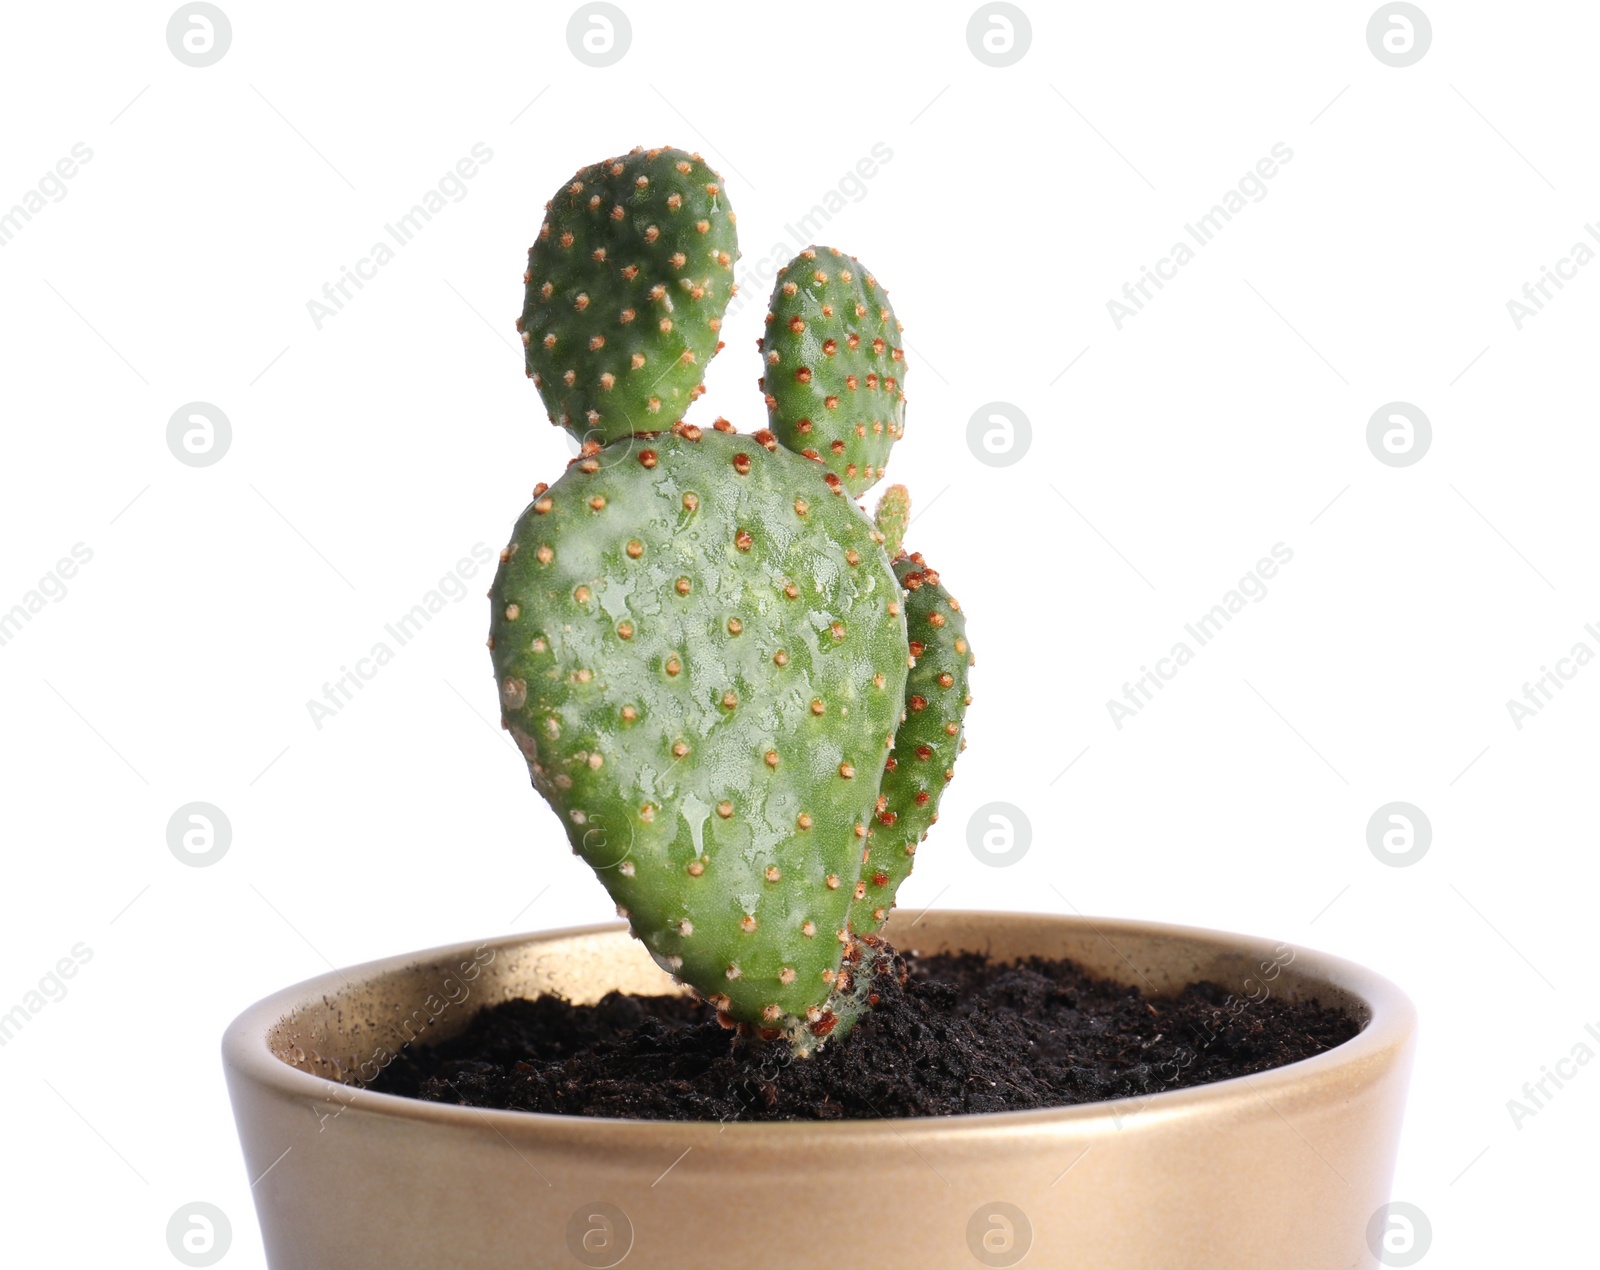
{"x": 701, "y": 650}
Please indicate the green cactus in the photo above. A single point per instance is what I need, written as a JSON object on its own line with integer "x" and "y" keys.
{"x": 833, "y": 366}
{"x": 926, "y": 744}
{"x": 701, "y": 651}
{"x": 701, "y": 644}
{"x": 626, "y": 284}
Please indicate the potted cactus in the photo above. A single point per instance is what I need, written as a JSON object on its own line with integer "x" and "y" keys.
{"x": 740, "y": 695}
{"x": 743, "y": 698}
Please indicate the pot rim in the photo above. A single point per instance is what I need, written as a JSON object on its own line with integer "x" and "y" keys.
{"x": 1391, "y": 1021}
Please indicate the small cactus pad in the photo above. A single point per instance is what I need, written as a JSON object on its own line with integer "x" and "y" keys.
{"x": 626, "y": 287}
{"x": 833, "y": 366}
{"x": 701, "y": 651}
{"x": 892, "y": 517}
{"x": 926, "y": 744}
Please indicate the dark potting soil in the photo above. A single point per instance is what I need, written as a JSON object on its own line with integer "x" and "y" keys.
{"x": 960, "y": 1034}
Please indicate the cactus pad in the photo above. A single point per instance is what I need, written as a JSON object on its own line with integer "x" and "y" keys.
{"x": 701, "y": 650}
{"x": 626, "y": 287}
{"x": 892, "y": 518}
{"x": 926, "y": 743}
{"x": 833, "y": 366}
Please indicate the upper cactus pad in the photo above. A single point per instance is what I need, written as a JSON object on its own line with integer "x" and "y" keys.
{"x": 626, "y": 287}
{"x": 834, "y": 365}
{"x": 701, "y": 650}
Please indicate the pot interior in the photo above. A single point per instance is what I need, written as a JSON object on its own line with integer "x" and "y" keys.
{"x": 347, "y": 1027}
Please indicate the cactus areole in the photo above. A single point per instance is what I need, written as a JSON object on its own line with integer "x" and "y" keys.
{"x": 737, "y": 691}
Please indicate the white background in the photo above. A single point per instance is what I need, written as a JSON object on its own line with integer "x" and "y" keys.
{"x": 367, "y": 457}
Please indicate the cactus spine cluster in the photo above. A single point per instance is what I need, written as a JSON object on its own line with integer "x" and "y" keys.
{"x": 738, "y": 692}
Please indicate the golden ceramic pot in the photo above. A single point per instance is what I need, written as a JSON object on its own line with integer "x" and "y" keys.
{"x": 1279, "y": 1171}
